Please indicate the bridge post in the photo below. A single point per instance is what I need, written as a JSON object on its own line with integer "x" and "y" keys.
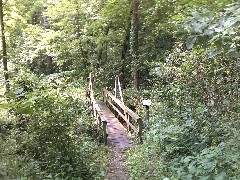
{"x": 128, "y": 122}
{"x": 105, "y": 132}
{"x": 99, "y": 124}
{"x": 140, "y": 128}
{"x": 103, "y": 96}
{"x": 115, "y": 90}
{"x": 88, "y": 90}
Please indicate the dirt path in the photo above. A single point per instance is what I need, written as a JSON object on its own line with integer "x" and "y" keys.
{"x": 117, "y": 169}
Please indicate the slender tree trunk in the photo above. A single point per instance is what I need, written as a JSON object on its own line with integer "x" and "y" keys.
{"x": 49, "y": 62}
{"x": 103, "y": 54}
{"x": 125, "y": 48}
{"x": 135, "y": 45}
{"x": 49, "y": 65}
{"x": 4, "y": 47}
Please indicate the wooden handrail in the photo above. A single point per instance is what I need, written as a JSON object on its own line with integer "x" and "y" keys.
{"x": 97, "y": 114}
{"x": 127, "y": 113}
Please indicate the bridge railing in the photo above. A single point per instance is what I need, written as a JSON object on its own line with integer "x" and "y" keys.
{"x": 124, "y": 112}
{"x": 97, "y": 114}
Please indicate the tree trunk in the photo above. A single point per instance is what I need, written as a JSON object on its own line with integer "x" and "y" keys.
{"x": 4, "y": 47}
{"x": 125, "y": 48}
{"x": 103, "y": 54}
{"x": 49, "y": 65}
{"x": 49, "y": 62}
{"x": 135, "y": 45}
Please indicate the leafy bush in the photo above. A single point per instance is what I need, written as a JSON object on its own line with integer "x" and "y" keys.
{"x": 194, "y": 125}
{"x": 57, "y": 141}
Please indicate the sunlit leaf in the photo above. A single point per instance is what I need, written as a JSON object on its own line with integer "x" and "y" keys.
{"x": 203, "y": 177}
{"x": 33, "y": 98}
{"x": 220, "y": 176}
{"x": 183, "y": 1}
{"x": 176, "y": 17}
{"x": 190, "y": 42}
{"x": 213, "y": 54}
{"x": 234, "y": 53}
{"x": 26, "y": 110}
{"x": 6, "y": 105}
{"x": 18, "y": 91}
{"x": 196, "y": 15}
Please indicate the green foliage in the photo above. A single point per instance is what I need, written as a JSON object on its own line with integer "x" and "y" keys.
{"x": 217, "y": 31}
{"x": 193, "y": 130}
{"x": 54, "y": 137}
{"x": 215, "y": 80}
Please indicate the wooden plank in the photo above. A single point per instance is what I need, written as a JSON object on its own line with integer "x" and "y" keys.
{"x": 117, "y": 135}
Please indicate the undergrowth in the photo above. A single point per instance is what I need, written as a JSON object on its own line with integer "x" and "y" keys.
{"x": 48, "y": 133}
{"x": 193, "y": 131}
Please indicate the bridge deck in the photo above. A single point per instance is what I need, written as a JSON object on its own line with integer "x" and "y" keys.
{"x": 117, "y": 134}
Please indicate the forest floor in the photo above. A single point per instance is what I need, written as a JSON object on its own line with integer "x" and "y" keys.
{"x": 117, "y": 169}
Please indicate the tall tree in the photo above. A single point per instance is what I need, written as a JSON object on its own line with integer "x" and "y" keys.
{"x": 124, "y": 51}
{"x": 49, "y": 59}
{"x": 4, "y": 47}
{"x": 134, "y": 42}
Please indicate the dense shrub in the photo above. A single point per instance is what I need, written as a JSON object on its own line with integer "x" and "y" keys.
{"x": 57, "y": 141}
{"x": 194, "y": 125}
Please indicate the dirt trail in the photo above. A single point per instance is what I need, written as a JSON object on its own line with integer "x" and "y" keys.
{"x": 117, "y": 169}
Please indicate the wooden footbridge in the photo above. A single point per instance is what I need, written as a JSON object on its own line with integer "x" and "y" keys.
{"x": 114, "y": 120}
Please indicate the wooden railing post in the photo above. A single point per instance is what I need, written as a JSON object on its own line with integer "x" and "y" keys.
{"x": 120, "y": 89}
{"x": 140, "y": 128}
{"x": 105, "y": 131}
{"x": 103, "y": 96}
{"x": 99, "y": 129}
{"x": 87, "y": 89}
{"x": 115, "y": 90}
